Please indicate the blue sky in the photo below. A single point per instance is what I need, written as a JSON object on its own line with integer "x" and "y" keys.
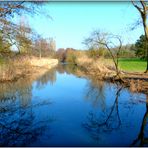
{"x": 73, "y": 21}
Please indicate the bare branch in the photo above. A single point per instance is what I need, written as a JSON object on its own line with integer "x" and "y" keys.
{"x": 11, "y": 8}
{"x": 136, "y": 6}
{"x": 143, "y": 5}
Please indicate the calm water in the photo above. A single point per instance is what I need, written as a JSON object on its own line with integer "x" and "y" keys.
{"x": 63, "y": 109}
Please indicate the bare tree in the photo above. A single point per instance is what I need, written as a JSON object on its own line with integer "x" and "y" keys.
{"x": 44, "y": 47}
{"x": 23, "y": 37}
{"x": 100, "y": 39}
{"x": 142, "y": 7}
{"x": 9, "y": 9}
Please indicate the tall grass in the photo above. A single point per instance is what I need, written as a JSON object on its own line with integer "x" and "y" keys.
{"x": 13, "y": 68}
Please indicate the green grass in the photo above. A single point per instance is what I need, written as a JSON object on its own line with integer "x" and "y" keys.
{"x": 132, "y": 64}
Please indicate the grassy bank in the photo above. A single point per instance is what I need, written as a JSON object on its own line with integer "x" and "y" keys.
{"x": 23, "y": 66}
{"x": 132, "y": 64}
{"x": 84, "y": 59}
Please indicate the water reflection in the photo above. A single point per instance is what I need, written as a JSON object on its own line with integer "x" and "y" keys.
{"x": 20, "y": 126}
{"x": 71, "y": 69}
{"x": 108, "y": 120}
{"x": 88, "y": 111}
{"x": 95, "y": 92}
{"x": 19, "y": 122}
{"x": 21, "y": 88}
{"x": 142, "y": 138}
{"x": 113, "y": 118}
{"x": 49, "y": 76}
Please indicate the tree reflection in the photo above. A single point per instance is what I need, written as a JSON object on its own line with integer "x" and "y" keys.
{"x": 61, "y": 68}
{"x": 111, "y": 118}
{"x": 71, "y": 69}
{"x": 49, "y": 76}
{"x": 142, "y": 139}
{"x": 20, "y": 124}
{"x": 108, "y": 120}
{"x": 95, "y": 92}
{"x": 68, "y": 68}
{"x": 11, "y": 91}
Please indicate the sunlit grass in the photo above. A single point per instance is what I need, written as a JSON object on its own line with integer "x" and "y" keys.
{"x": 132, "y": 64}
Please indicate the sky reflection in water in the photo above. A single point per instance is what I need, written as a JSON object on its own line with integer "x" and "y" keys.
{"x": 63, "y": 109}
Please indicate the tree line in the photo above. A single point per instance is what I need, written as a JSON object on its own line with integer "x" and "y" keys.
{"x": 95, "y": 51}
{"x": 20, "y": 38}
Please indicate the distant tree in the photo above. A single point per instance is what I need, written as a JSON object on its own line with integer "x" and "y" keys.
{"x": 23, "y": 40}
{"x": 61, "y": 54}
{"x": 132, "y": 47}
{"x": 70, "y": 55}
{"x": 97, "y": 53}
{"x": 127, "y": 51}
{"x": 140, "y": 49}
{"x": 93, "y": 53}
{"x": 52, "y": 46}
{"x": 45, "y": 47}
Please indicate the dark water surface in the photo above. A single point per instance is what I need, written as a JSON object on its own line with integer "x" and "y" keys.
{"x": 63, "y": 109}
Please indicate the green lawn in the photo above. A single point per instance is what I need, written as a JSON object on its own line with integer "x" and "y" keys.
{"x": 132, "y": 64}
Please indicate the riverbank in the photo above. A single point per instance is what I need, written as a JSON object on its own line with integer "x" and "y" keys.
{"x": 104, "y": 69}
{"x": 23, "y": 66}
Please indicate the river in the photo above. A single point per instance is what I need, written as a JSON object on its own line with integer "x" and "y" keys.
{"x": 66, "y": 108}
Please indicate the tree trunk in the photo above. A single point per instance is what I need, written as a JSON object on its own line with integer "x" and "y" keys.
{"x": 144, "y": 12}
{"x": 146, "y": 71}
{"x": 146, "y": 36}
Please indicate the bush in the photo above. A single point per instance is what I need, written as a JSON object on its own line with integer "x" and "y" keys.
{"x": 97, "y": 53}
{"x": 71, "y": 58}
